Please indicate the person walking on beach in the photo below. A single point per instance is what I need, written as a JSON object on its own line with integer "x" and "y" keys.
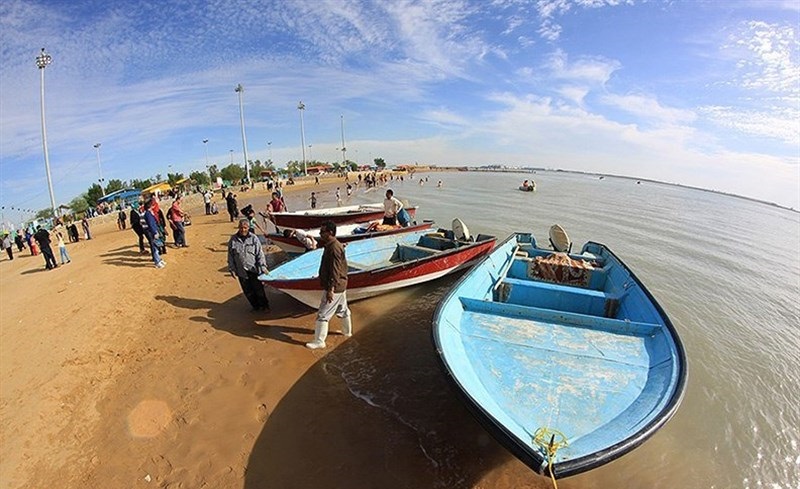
{"x": 391, "y": 207}
{"x": 42, "y": 236}
{"x": 233, "y": 206}
{"x": 121, "y": 219}
{"x": 333, "y": 279}
{"x": 85, "y": 225}
{"x": 152, "y": 233}
{"x": 136, "y": 225}
{"x": 62, "y": 247}
{"x": 246, "y": 261}
{"x": 7, "y": 245}
{"x": 313, "y": 200}
{"x": 176, "y": 216}
{"x": 207, "y": 201}
{"x": 338, "y": 197}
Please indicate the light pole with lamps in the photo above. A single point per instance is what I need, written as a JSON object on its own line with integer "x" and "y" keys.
{"x": 344, "y": 148}
{"x": 240, "y": 90}
{"x": 231, "y": 156}
{"x": 302, "y": 107}
{"x": 42, "y": 61}
{"x": 100, "y": 168}
{"x": 269, "y": 147}
{"x": 309, "y": 154}
{"x": 205, "y": 143}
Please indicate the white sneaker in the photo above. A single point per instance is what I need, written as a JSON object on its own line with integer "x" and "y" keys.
{"x": 314, "y": 345}
{"x": 161, "y": 264}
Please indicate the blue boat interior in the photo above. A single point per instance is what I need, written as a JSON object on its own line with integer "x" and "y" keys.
{"x": 590, "y": 356}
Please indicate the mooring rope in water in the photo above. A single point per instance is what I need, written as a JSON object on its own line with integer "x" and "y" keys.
{"x": 545, "y": 438}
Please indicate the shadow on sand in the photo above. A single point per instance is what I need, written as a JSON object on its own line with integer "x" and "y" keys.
{"x": 376, "y": 411}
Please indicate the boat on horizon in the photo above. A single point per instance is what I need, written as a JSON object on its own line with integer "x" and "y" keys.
{"x": 313, "y": 218}
{"x": 386, "y": 263}
{"x": 566, "y": 359}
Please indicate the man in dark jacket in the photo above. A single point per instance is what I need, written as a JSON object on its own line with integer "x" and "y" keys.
{"x": 136, "y": 225}
{"x": 333, "y": 280}
{"x": 42, "y": 236}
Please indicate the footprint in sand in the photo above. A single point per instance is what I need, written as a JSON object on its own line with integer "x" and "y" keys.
{"x": 261, "y": 413}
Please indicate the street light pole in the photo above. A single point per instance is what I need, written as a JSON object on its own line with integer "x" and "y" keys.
{"x": 205, "y": 143}
{"x": 269, "y": 147}
{"x": 100, "y": 169}
{"x": 240, "y": 90}
{"x": 344, "y": 148}
{"x": 309, "y": 154}
{"x": 231, "y": 157}
{"x": 42, "y": 61}
{"x": 302, "y": 107}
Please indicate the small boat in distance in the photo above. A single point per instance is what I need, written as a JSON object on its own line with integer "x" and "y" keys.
{"x": 385, "y": 263}
{"x": 346, "y": 233}
{"x": 566, "y": 359}
{"x": 313, "y": 218}
{"x": 528, "y": 186}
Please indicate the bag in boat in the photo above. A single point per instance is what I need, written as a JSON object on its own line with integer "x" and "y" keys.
{"x": 403, "y": 218}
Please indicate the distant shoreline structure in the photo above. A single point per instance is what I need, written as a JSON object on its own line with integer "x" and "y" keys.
{"x": 529, "y": 170}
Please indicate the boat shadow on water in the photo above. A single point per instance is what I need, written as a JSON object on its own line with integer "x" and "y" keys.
{"x": 377, "y": 411}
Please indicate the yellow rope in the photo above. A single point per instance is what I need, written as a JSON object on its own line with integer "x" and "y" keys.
{"x": 545, "y": 439}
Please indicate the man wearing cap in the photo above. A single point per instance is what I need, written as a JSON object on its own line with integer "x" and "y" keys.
{"x": 246, "y": 261}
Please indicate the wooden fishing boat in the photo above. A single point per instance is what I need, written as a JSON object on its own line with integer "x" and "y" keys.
{"x": 566, "y": 359}
{"x": 346, "y": 233}
{"x": 384, "y": 264}
{"x": 313, "y": 218}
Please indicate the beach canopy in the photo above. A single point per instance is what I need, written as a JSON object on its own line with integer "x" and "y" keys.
{"x": 159, "y": 187}
{"x": 122, "y": 194}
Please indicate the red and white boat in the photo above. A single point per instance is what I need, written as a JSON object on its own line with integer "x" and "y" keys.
{"x": 384, "y": 264}
{"x": 313, "y": 218}
{"x": 346, "y": 233}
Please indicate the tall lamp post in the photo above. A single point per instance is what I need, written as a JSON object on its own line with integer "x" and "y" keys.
{"x": 100, "y": 168}
{"x": 269, "y": 147}
{"x": 231, "y": 156}
{"x": 42, "y": 61}
{"x": 240, "y": 90}
{"x": 205, "y": 143}
{"x": 302, "y": 107}
{"x": 344, "y": 148}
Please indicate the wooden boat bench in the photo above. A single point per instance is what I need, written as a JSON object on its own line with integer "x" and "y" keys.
{"x": 407, "y": 252}
{"x": 436, "y": 242}
{"x": 620, "y": 326}
{"x": 557, "y": 297}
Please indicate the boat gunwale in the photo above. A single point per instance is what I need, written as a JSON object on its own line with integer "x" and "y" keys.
{"x": 523, "y": 452}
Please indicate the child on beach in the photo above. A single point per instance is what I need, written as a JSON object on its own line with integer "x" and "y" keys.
{"x": 313, "y": 200}
{"x": 62, "y": 247}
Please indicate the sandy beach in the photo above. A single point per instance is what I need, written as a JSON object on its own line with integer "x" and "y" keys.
{"x": 118, "y": 374}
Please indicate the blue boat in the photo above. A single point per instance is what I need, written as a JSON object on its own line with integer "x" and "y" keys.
{"x": 566, "y": 359}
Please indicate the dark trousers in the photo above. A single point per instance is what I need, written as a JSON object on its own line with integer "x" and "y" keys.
{"x": 49, "y": 258}
{"x": 253, "y": 289}
{"x": 208, "y": 208}
{"x": 140, "y": 233}
{"x": 10, "y": 252}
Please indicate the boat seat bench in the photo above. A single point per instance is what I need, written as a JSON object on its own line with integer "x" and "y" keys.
{"x": 558, "y": 297}
{"x": 412, "y": 252}
{"x": 620, "y": 326}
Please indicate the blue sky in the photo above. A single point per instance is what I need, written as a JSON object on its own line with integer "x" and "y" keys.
{"x": 702, "y": 93}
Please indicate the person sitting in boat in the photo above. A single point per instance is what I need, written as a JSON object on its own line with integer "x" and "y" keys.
{"x": 525, "y": 184}
{"x": 308, "y": 241}
{"x": 391, "y": 206}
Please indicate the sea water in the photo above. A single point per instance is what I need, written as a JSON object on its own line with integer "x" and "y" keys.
{"x": 726, "y": 270}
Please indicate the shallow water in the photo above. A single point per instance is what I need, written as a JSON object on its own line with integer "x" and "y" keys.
{"x": 726, "y": 271}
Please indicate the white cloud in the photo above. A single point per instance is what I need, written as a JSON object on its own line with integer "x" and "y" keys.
{"x": 769, "y": 57}
{"x": 781, "y": 123}
{"x": 590, "y": 69}
{"x": 648, "y": 108}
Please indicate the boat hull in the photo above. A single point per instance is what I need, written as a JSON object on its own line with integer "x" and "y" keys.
{"x": 339, "y": 215}
{"x": 591, "y": 355}
{"x": 301, "y": 282}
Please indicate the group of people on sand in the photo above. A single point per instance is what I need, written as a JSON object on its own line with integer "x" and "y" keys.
{"x": 39, "y": 243}
{"x": 149, "y": 222}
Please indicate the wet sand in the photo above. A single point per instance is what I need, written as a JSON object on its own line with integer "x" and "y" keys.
{"x": 117, "y": 374}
